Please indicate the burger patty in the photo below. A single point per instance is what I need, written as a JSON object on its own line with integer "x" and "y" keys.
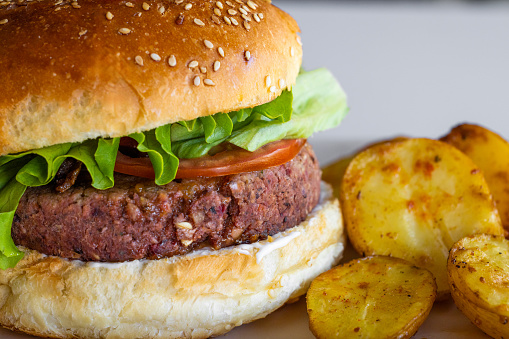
{"x": 137, "y": 219}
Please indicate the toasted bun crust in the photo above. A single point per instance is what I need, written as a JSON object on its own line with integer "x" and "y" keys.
{"x": 194, "y": 296}
{"x": 70, "y": 74}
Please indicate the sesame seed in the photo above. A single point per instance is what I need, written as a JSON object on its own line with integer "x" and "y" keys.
{"x": 178, "y": 2}
{"x": 234, "y": 21}
{"x": 155, "y": 57}
{"x": 268, "y": 82}
{"x": 220, "y": 51}
{"x": 245, "y": 17}
{"x": 124, "y": 31}
{"x": 230, "y": 4}
{"x": 203, "y": 69}
{"x": 186, "y": 242}
{"x": 193, "y": 64}
{"x": 227, "y": 20}
{"x": 196, "y": 81}
{"x": 247, "y": 55}
{"x": 272, "y": 89}
{"x": 219, "y": 4}
{"x": 188, "y": 6}
{"x": 217, "y": 11}
{"x": 260, "y": 15}
{"x": 138, "y": 14}
{"x": 251, "y": 4}
{"x": 232, "y": 12}
{"x": 162, "y": 9}
{"x": 199, "y": 22}
{"x": 4, "y": 21}
{"x": 184, "y": 225}
{"x": 82, "y": 32}
{"x": 208, "y": 44}
{"x": 139, "y": 60}
{"x": 299, "y": 40}
{"x": 109, "y": 16}
{"x": 172, "y": 61}
{"x": 75, "y": 5}
{"x": 146, "y": 6}
{"x": 292, "y": 51}
{"x": 209, "y": 82}
{"x": 243, "y": 11}
{"x": 282, "y": 83}
{"x": 238, "y": 1}
{"x": 256, "y": 17}
{"x": 129, "y": 4}
{"x": 246, "y": 25}
{"x": 217, "y": 64}
{"x": 216, "y": 19}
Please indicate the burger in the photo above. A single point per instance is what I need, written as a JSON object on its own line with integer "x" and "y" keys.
{"x": 155, "y": 179}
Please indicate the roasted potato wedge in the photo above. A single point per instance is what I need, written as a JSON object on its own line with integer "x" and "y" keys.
{"x": 490, "y": 152}
{"x": 333, "y": 173}
{"x": 478, "y": 271}
{"x": 414, "y": 199}
{"x": 373, "y": 297}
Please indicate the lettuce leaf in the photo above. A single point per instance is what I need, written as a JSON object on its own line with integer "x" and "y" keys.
{"x": 157, "y": 143}
{"x": 39, "y": 167}
{"x": 216, "y": 127}
{"x": 319, "y": 103}
{"x": 315, "y": 103}
{"x": 9, "y": 199}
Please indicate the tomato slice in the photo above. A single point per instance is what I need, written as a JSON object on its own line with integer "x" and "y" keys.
{"x": 226, "y": 162}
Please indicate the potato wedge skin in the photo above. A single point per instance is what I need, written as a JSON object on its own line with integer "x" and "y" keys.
{"x": 490, "y": 152}
{"x": 478, "y": 274}
{"x": 414, "y": 199}
{"x": 373, "y": 297}
{"x": 334, "y": 172}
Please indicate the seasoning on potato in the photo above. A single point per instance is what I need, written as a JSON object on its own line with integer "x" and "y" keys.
{"x": 490, "y": 152}
{"x": 479, "y": 278}
{"x": 334, "y": 172}
{"x": 414, "y": 199}
{"x": 373, "y": 297}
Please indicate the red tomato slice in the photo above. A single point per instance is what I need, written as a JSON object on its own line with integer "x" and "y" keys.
{"x": 223, "y": 163}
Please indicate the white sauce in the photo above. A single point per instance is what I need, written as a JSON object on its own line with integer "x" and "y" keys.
{"x": 113, "y": 265}
{"x": 243, "y": 251}
{"x": 272, "y": 246}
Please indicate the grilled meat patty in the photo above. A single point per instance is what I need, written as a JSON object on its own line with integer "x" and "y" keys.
{"x": 137, "y": 219}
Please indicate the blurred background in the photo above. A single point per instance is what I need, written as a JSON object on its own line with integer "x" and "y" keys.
{"x": 413, "y": 68}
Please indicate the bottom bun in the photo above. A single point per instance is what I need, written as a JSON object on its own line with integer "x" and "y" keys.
{"x": 198, "y": 295}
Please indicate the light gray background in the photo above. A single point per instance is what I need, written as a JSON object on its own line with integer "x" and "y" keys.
{"x": 415, "y": 68}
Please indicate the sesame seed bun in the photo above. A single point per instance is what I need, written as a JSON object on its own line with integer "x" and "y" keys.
{"x": 171, "y": 298}
{"x": 87, "y": 69}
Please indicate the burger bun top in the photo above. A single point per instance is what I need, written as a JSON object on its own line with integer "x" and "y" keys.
{"x": 79, "y": 70}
